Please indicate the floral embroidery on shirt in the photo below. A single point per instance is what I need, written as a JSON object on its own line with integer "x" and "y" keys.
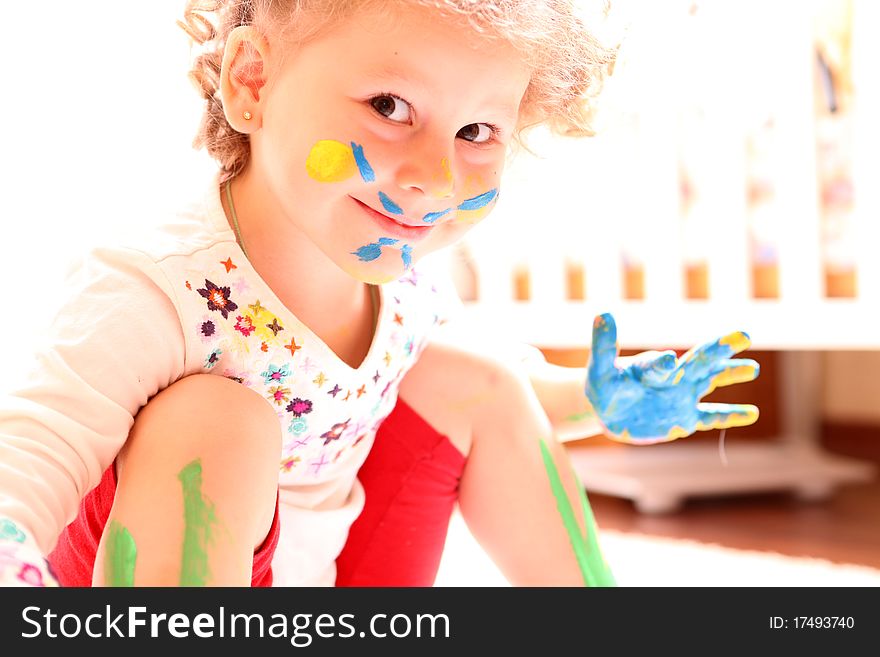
{"x": 9, "y": 531}
{"x": 279, "y": 394}
{"x": 218, "y": 298}
{"x": 275, "y": 373}
{"x": 241, "y": 286}
{"x": 289, "y": 463}
{"x": 299, "y": 406}
{"x": 213, "y": 358}
{"x": 307, "y": 366}
{"x": 207, "y": 330}
{"x": 244, "y": 325}
{"x": 317, "y": 464}
{"x": 275, "y": 327}
{"x": 30, "y": 575}
{"x": 298, "y": 426}
{"x": 238, "y": 377}
{"x": 335, "y": 432}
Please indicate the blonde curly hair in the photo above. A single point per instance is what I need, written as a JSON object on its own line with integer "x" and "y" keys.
{"x": 569, "y": 62}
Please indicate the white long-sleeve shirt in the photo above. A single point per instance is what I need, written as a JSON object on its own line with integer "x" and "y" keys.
{"x": 189, "y": 302}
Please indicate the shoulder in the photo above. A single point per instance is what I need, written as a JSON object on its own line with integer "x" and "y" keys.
{"x": 197, "y": 225}
{"x": 155, "y": 249}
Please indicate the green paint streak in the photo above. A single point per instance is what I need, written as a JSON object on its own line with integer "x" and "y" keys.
{"x": 199, "y": 517}
{"x": 580, "y": 417}
{"x": 120, "y": 556}
{"x": 594, "y": 570}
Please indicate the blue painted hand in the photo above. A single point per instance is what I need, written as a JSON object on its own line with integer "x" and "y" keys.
{"x": 655, "y": 396}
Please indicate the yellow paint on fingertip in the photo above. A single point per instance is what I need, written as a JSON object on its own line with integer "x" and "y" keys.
{"x": 734, "y": 375}
{"x": 331, "y": 161}
{"x": 738, "y": 341}
{"x": 744, "y": 419}
{"x": 677, "y": 432}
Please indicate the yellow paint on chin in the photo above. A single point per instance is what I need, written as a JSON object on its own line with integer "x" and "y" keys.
{"x": 331, "y": 161}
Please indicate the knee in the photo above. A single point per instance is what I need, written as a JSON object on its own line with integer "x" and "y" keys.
{"x": 230, "y": 430}
{"x": 224, "y": 433}
{"x": 206, "y": 413}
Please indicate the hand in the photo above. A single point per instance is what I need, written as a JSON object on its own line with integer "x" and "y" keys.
{"x": 654, "y": 396}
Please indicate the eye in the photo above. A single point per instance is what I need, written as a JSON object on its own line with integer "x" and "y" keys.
{"x": 478, "y": 133}
{"x": 392, "y": 107}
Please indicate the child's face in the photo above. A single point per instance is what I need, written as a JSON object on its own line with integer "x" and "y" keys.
{"x": 384, "y": 139}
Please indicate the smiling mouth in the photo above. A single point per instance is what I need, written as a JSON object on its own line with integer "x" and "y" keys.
{"x": 393, "y": 227}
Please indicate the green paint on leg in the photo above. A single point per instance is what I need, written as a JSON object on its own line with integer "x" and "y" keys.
{"x": 120, "y": 556}
{"x": 199, "y": 518}
{"x": 592, "y": 564}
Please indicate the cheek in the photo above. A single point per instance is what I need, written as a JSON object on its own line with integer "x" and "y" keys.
{"x": 479, "y": 196}
{"x": 331, "y": 161}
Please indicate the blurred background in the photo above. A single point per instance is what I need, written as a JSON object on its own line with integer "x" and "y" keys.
{"x": 730, "y": 186}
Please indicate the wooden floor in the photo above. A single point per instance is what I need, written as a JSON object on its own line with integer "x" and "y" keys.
{"x": 843, "y": 529}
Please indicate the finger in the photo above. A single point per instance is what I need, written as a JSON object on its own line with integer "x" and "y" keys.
{"x": 724, "y": 416}
{"x": 603, "y": 353}
{"x": 658, "y": 369}
{"x": 701, "y": 358}
{"x": 730, "y": 372}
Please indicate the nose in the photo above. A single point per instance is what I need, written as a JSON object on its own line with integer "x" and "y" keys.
{"x": 426, "y": 167}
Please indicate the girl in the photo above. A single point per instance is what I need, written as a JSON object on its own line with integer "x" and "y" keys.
{"x": 353, "y": 138}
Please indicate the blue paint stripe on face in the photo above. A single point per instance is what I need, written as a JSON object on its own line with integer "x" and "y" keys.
{"x": 390, "y": 205}
{"x": 480, "y": 201}
{"x": 431, "y": 217}
{"x": 363, "y": 166}
{"x": 406, "y": 254}
{"x": 370, "y": 252}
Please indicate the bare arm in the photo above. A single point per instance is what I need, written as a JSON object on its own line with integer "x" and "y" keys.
{"x": 561, "y": 392}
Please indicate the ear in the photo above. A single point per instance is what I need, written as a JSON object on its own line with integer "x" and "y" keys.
{"x": 243, "y": 77}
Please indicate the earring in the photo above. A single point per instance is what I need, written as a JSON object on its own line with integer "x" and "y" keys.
{"x": 247, "y": 115}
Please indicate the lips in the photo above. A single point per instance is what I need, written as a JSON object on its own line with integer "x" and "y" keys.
{"x": 392, "y": 227}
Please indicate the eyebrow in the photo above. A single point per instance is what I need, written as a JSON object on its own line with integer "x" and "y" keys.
{"x": 394, "y": 75}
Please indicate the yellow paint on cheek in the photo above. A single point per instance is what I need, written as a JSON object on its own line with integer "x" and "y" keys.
{"x": 331, "y": 161}
{"x": 473, "y": 216}
{"x": 474, "y": 184}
